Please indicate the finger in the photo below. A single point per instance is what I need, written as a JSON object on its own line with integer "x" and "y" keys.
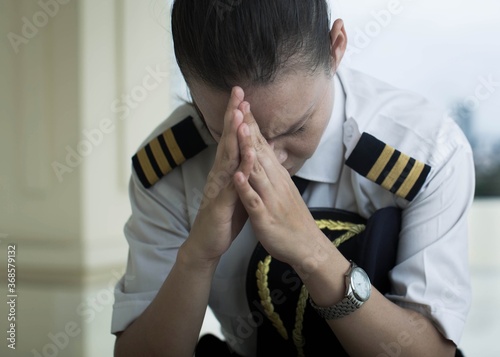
{"x": 249, "y": 197}
{"x": 260, "y": 180}
{"x": 230, "y": 136}
{"x": 233, "y": 118}
{"x": 244, "y": 107}
{"x": 247, "y": 152}
{"x": 237, "y": 96}
{"x": 264, "y": 151}
{"x": 260, "y": 143}
{"x": 250, "y": 166}
{"x": 228, "y": 145}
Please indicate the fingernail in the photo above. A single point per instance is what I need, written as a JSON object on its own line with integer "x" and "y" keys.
{"x": 246, "y": 108}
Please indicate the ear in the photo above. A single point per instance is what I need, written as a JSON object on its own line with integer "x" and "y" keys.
{"x": 338, "y": 43}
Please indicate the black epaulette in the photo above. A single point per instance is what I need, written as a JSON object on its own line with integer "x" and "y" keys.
{"x": 399, "y": 173}
{"x": 167, "y": 151}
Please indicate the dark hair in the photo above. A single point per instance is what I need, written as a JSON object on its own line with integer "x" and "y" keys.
{"x": 249, "y": 42}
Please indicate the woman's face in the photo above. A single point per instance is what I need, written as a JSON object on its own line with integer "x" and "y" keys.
{"x": 292, "y": 113}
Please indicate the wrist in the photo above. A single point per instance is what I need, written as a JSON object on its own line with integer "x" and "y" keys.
{"x": 357, "y": 292}
{"x": 323, "y": 272}
{"x": 192, "y": 257}
{"x": 314, "y": 256}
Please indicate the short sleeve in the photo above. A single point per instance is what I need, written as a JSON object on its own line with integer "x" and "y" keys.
{"x": 155, "y": 230}
{"x": 432, "y": 275}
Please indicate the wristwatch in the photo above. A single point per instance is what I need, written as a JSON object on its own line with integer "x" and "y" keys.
{"x": 358, "y": 289}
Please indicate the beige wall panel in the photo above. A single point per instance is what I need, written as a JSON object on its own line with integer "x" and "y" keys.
{"x": 35, "y": 206}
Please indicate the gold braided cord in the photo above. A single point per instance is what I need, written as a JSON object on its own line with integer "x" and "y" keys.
{"x": 343, "y": 238}
{"x": 340, "y": 226}
{"x": 265, "y": 294}
{"x": 298, "y": 337}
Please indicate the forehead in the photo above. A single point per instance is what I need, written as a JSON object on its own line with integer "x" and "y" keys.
{"x": 274, "y": 106}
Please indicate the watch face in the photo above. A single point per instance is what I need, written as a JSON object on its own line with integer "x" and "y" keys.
{"x": 360, "y": 284}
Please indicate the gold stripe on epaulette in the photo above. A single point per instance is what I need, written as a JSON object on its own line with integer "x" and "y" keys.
{"x": 390, "y": 168}
{"x": 395, "y": 172}
{"x": 167, "y": 151}
{"x": 383, "y": 159}
{"x": 160, "y": 157}
{"x": 149, "y": 172}
{"x": 173, "y": 147}
{"x": 409, "y": 182}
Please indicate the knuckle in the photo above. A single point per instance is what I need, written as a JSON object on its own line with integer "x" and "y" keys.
{"x": 257, "y": 169}
{"x": 248, "y": 156}
{"x": 228, "y": 160}
{"x": 260, "y": 145}
{"x": 254, "y": 203}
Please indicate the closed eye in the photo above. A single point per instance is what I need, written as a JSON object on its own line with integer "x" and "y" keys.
{"x": 298, "y": 131}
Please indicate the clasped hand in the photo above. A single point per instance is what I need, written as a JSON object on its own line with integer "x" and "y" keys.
{"x": 248, "y": 181}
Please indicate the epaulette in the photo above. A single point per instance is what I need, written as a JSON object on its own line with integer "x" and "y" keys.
{"x": 399, "y": 173}
{"x": 167, "y": 151}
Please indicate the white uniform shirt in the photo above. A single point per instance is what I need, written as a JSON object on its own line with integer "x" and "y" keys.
{"x": 431, "y": 274}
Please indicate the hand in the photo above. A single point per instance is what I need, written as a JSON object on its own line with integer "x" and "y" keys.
{"x": 222, "y": 215}
{"x": 280, "y": 218}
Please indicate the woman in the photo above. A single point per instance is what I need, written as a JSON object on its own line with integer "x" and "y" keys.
{"x": 280, "y": 143}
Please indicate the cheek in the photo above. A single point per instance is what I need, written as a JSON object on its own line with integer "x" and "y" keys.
{"x": 305, "y": 145}
{"x": 301, "y": 148}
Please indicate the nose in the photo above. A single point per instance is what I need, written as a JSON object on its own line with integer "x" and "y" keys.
{"x": 279, "y": 152}
{"x": 281, "y": 155}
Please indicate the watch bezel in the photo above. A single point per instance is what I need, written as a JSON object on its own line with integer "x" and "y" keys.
{"x": 366, "y": 281}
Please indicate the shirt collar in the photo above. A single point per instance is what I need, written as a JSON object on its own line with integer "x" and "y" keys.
{"x": 326, "y": 162}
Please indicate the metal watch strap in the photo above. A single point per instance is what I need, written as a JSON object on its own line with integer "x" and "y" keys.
{"x": 343, "y": 308}
{"x": 346, "y": 306}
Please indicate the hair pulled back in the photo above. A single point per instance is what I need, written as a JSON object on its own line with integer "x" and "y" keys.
{"x": 249, "y": 42}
